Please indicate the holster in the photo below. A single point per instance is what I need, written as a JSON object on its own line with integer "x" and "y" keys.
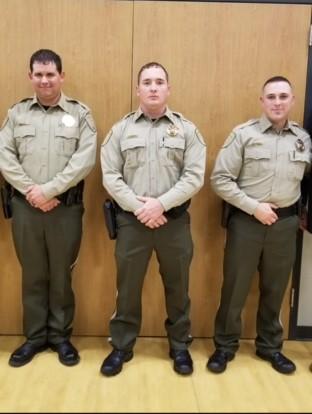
{"x": 109, "y": 211}
{"x": 6, "y": 199}
{"x": 227, "y": 210}
{"x": 73, "y": 195}
{"x": 176, "y": 212}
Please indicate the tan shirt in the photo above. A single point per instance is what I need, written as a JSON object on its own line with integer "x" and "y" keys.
{"x": 257, "y": 164}
{"x": 164, "y": 159}
{"x": 55, "y": 148}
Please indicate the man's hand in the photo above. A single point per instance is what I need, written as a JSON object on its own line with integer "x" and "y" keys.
{"x": 151, "y": 213}
{"x": 49, "y": 205}
{"x": 35, "y": 197}
{"x": 265, "y": 213}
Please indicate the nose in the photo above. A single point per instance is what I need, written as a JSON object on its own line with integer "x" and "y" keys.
{"x": 44, "y": 79}
{"x": 277, "y": 101}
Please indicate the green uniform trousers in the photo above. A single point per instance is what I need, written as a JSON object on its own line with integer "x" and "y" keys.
{"x": 135, "y": 243}
{"x": 252, "y": 246}
{"x": 47, "y": 245}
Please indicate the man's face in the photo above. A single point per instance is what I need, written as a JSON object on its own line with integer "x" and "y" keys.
{"x": 277, "y": 100}
{"x": 153, "y": 89}
{"x": 47, "y": 82}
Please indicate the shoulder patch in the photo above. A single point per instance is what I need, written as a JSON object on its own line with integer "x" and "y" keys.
{"x": 229, "y": 140}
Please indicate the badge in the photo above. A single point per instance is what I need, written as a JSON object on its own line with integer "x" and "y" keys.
{"x": 172, "y": 130}
{"x": 68, "y": 120}
{"x": 300, "y": 145}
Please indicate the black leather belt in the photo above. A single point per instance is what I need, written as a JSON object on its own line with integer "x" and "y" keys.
{"x": 282, "y": 212}
{"x": 287, "y": 211}
{"x": 174, "y": 212}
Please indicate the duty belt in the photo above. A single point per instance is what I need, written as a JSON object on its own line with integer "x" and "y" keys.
{"x": 281, "y": 213}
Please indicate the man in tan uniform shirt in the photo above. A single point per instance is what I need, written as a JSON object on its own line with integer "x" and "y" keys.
{"x": 259, "y": 171}
{"x": 153, "y": 162}
{"x": 48, "y": 146}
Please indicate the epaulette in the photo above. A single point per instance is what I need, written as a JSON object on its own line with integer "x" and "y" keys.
{"x": 246, "y": 124}
{"x": 29, "y": 98}
{"x": 178, "y": 114}
{"x": 78, "y": 102}
{"x": 295, "y": 124}
{"x": 182, "y": 117}
{"x": 21, "y": 101}
{"x": 129, "y": 114}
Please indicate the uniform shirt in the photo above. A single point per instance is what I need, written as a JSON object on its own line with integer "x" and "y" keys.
{"x": 257, "y": 164}
{"x": 164, "y": 159}
{"x": 54, "y": 148}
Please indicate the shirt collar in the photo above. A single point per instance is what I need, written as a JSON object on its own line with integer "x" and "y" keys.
{"x": 168, "y": 114}
{"x": 266, "y": 124}
{"x": 62, "y": 103}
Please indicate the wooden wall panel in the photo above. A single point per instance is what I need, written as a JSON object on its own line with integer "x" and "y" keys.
{"x": 218, "y": 55}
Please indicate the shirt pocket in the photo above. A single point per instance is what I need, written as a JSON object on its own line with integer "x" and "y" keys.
{"x": 298, "y": 164}
{"x": 133, "y": 151}
{"x": 172, "y": 151}
{"x": 24, "y": 136}
{"x": 66, "y": 140}
{"x": 256, "y": 160}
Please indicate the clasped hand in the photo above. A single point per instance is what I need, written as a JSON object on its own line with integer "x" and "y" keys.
{"x": 151, "y": 213}
{"x": 265, "y": 213}
{"x": 36, "y": 198}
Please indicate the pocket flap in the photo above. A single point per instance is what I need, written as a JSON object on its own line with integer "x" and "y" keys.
{"x": 24, "y": 131}
{"x": 299, "y": 156}
{"x": 257, "y": 153}
{"x": 67, "y": 132}
{"x": 174, "y": 143}
{"x": 132, "y": 143}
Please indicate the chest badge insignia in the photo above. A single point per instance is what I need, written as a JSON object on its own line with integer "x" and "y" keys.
{"x": 300, "y": 145}
{"x": 68, "y": 120}
{"x": 172, "y": 130}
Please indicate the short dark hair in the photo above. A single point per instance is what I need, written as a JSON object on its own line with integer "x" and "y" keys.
{"x": 46, "y": 56}
{"x": 152, "y": 65}
{"x": 276, "y": 79}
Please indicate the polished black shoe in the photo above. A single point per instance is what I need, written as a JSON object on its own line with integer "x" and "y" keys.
{"x": 278, "y": 361}
{"x": 25, "y": 354}
{"x": 113, "y": 363}
{"x": 182, "y": 361}
{"x": 67, "y": 353}
{"x": 218, "y": 361}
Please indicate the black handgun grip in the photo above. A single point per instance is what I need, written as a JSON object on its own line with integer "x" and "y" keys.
{"x": 110, "y": 218}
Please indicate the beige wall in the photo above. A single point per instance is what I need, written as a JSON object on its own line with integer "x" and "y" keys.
{"x": 217, "y": 54}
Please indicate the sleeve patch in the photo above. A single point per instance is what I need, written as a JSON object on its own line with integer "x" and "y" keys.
{"x": 200, "y": 137}
{"x": 229, "y": 140}
{"x": 90, "y": 122}
{"x": 4, "y": 122}
{"x": 108, "y": 137}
